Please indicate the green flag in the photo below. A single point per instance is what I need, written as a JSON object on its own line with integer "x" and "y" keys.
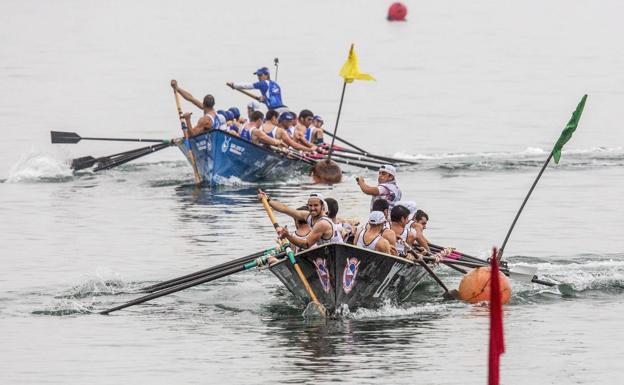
{"x": 569, "y": 129}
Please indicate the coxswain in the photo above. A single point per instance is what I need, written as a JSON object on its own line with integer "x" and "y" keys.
{"x": 209, "y": 121}
{"x": 270, "y": 90}
{"x": 271, "y": 128}
{"x": 386, "y": 188}
{"x": 251, "y": 131}
{"x": 373, "y": 236}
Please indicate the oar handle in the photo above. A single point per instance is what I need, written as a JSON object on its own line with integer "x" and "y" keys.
{"x": 269, "y": 211}
{"x": 186, "y": 125}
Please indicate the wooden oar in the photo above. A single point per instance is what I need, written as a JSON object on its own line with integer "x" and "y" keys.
{"x": 258, "y": 98}
{"x": 185, "y": 129}
{"x": 204, "y": 279}
{"x": 72, "y": 137}
{"x": 210, "y": 270}
{"x": 291, "y": 256}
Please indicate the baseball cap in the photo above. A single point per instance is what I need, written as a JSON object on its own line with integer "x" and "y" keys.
{"x": 318, "y": 117}
{"x": 253, "y": 105}
{"x": 235, "y": 111}
{"x": 262, "y": 71}
{"x": 389, "y": 169}
{"x": 410, "y": 205}
{"x": 376, "y": 218}
{"x": 287, "y": 115}
{"x": 320, "y": 197}
{"x": 228, "y": 115}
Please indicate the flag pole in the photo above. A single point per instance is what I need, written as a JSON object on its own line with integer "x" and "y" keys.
{"x": 556, "y": 153}
{"x": 499, "y": 256}
{"x": 331, "y": 147}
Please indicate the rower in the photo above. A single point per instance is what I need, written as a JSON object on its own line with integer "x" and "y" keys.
{"x": 270, "y": 90}
{"x": 272, "y": 129}
{"x": 345, "y": 226}
{"x": 209, "y": 121}
{"x": 286, "y": 121}
{"x": 373, "y": 236}
{"x": 251, "y": 131}
{"x": 304, "y": 129}
{"x": 399, "y": 218}
{"x": 302, "y": 229}
{"x": 317, "y": 136}
{"x": 323, "y": 229}
{"x": 420, "y": 224}
{"x": 383, "y": 206}
{"x": 386, "y": 188}
{"x": 251, "y": 107}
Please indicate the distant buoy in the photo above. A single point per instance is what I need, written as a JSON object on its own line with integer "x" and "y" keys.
{"x": 397, "y": 12}
{"x": 475, "y": 286}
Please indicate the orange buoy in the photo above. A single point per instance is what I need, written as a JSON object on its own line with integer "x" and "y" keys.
{"x": 475, "y": 286}
{"x": 397, "y": 12}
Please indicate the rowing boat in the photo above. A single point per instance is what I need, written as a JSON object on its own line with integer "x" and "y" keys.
{"x": 223, "y": 158}
{"x": 344, "y": 277}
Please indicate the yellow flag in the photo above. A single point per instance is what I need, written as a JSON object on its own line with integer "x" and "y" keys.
{"x": 351, "y": 71}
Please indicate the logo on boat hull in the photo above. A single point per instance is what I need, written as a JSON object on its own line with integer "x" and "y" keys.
{"x": 322, "y": 272}
{"x": 225, "y": 145}
{"x": 349, "y": 274}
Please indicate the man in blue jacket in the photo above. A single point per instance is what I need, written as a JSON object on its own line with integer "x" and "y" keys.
{"x": 270, "y": 90}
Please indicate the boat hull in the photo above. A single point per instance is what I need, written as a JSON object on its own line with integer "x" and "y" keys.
{"x": 343, "y": 275}
{"x": 223, "y": 158}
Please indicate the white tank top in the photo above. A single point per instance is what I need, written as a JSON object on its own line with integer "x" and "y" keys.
{"x": 301, "y": 238}
{"x": 360, "y": 241}
{"x": 336, "y": 234}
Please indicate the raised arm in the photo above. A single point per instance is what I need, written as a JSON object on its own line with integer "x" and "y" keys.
{"x": 186, "y": 95}
{"x": 367, "y": 189}
{"x": 282, "y": 208}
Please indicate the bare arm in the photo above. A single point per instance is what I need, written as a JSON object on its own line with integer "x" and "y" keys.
{"x": 293, "y": 213}
{"x": 289, "y": 141}
{"x": 391, "y": 237}
{"x": 264, "y": 138}
{"x": 320, "y": 228}
{"x": 383, "y": 246}
{"x": 187, "y": 95}
{"x": 420, "y": 236}
{"x": 366, "y": 189}
{"x": 299, "y": 137}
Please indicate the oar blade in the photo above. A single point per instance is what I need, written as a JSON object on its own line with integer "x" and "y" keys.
{"x": 82, "y": 163}
{"x": 523, "y": 273}
{"x": 64, "y": 137}
{"x": 315, "y": 310}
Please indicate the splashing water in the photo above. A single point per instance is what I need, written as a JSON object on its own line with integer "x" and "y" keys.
{"x": 36, "y": 166}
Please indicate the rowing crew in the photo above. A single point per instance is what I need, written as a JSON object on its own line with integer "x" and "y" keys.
{"x": 317, "y": 224}
{"x": 280, "y": 127}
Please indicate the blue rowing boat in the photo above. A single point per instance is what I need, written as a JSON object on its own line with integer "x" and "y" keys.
{"x": 223, "y": 158}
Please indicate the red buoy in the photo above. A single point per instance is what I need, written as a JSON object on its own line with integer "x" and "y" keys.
{"x": 397, "y": 12}
{"x": 475, "y": 286}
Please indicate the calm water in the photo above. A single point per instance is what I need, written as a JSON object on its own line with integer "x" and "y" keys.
{"x": 476, "y": 92}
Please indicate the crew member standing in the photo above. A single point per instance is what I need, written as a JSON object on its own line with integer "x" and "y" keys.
{"x": 386, "y": 188}
{"x": 270, "y": 90}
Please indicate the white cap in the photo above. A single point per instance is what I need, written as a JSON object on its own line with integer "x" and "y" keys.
{"x": 376, "y": 218}
{"x": 253, "y": 105}
{"x": 389, "y": 169}
{"x": 410, "y": 205}
{"x": 320, "y": 197}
